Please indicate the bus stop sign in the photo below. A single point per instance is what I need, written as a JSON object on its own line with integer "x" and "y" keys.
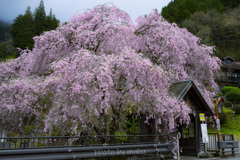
{"x": 202, "y": 116}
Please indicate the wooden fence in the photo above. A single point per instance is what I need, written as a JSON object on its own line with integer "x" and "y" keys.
{"x": 213, "y": 140}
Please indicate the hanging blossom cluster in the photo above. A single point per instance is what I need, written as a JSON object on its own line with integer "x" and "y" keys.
{"x": 97, "y": 69}
{"x": 178, "y": 52}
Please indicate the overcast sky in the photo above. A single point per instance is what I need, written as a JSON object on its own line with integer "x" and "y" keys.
{"x": 64, "y": 9}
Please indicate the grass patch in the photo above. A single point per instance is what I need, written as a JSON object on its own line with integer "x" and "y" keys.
{"x": 231, "y": 126}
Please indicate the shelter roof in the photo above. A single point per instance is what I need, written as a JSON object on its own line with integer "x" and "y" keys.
{"x": 180, "y": 89}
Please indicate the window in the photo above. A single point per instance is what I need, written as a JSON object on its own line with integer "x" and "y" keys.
{"x": 227, "y": 61}
{"x": 189, "y": 132}
{"x": 191, "y": 129}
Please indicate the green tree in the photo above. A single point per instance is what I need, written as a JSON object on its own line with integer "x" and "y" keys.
{"x": 206, "y": 26}
{"x": 4, "y": 31}
{"x": 169, "y": 12}
{"x": 227, "y": 89}
{"x": 52, "y": 21}
{"x": 185, "y": 9}
{"x": 3, "y": 50}
{"x": 23, "y": 31}
{"x": 232, "y": 94}
{"x": 231, "y": 29}
{"x": 7, "y": 50}
{"x": 216, "y": 22}
{"x": 40, "y": 19}
{"x": 27, "y": 26}
{"x": 206, "y": 5}
{"x": 179, "y": 10}
{"x": 230, "y": 3}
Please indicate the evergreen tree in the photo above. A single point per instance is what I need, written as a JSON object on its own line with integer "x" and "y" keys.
{"x": 40, "y": 19}
{"x": 230, "y": 3}
{"x": 7, "y": 50}
{"x": 4, "y": 31}
{"x": 168, "y": 12}
{"x": 216, "y": 22}
{"x": 179, "y": 10}
{"x": 23, "y": 31}
{"x": 52, "y": 21}
{"x": 27, "y": 26}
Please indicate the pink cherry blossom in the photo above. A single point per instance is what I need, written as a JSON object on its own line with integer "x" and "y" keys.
{"x": 98, "y": 68}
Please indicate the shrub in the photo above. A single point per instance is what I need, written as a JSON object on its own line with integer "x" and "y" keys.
{"x": 227, "y": 104}
{"x": 233, "y": 96}
{"x": 228, "y": 89}
{"x": 236, "y": 108}
{"x": 223, "y": 118}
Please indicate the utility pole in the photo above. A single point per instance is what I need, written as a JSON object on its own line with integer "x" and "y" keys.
{"x": 219, "y": 138}
{"x": 219, "y": 103}
{"x": 233, "y": 112}
{"x": 233, "y": 115}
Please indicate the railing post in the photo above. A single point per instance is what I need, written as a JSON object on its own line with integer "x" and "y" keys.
{"x": 24, "y": 144}
{"x": 134, "y": 139}
{"x": 21, "y": 144}
{"x": 4, "y": 143}
{"x": 233, "y": 151}
{"x": 178, "y": 154}
{"x": 205, "y": 149}
{"x": 86, "y": 141}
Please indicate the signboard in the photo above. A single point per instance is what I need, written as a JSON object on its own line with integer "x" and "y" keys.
{"x": 204, "y": 133}
{"x": 219, "y": 104}
{"x": 218, "y": 124}
{"x": 202, "y": 116}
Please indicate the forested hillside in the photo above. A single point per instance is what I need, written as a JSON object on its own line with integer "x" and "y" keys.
{"x": 216, "y": 22}
{"x": 6, "y": 48}
{"x": 4, "y": 31}
{"x": 20, "y": 34}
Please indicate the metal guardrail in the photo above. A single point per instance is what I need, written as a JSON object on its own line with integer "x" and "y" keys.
{"x": 87, "y": 152}
{"x": 7, "y": 143}
{"x": 95, "y": 146}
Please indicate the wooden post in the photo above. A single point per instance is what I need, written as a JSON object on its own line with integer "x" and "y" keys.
{"x": 233, "y": 151}
{"x": 178, "y": 153}
{"x": 218, "y": 132}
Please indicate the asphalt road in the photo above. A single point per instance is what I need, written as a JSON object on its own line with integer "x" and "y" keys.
{"x": 227, "y": 157}
{"x": 237, "y": 157}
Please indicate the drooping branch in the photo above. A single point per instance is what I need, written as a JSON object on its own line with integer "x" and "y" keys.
{"x": 143, "y": 29}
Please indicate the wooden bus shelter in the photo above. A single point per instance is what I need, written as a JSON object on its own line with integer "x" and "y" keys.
{"x": 191, "y": 138}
